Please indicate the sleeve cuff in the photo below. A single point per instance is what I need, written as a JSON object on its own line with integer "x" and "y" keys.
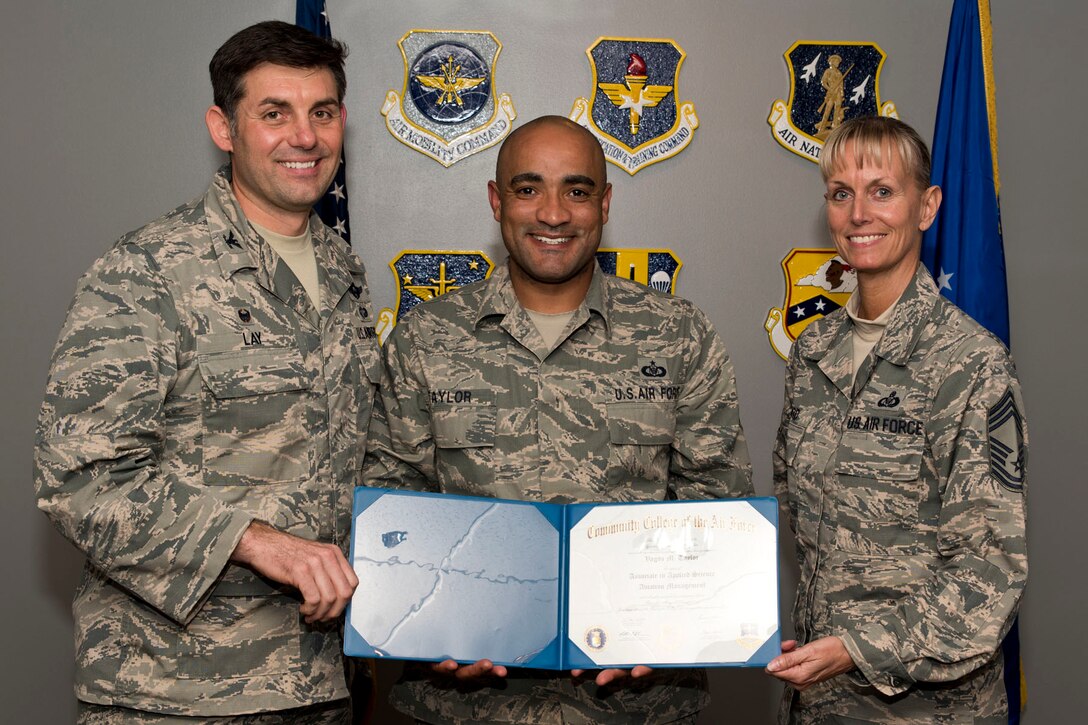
{"x": 878, "y": 667}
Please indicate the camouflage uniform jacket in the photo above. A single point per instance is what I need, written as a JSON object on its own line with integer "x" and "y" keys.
{"x": 194, "y": 389}
{"x": 635, "y": 402}
{"x": 909, "y": 523}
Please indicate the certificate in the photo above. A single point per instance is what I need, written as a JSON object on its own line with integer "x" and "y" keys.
{"x": 678, "y": 583}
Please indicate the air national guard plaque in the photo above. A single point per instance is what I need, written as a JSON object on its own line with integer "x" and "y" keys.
{"x": 818, "y": 282}
{"x": 633, "y": 109}
{"x": 830, "y": 82}
{"x": 449, "y": 108}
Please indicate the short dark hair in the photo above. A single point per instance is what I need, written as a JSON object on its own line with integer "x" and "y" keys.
{"x": 276, "y": 42}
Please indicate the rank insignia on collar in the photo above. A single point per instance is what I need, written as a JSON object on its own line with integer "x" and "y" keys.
{"x": 449, "y": 108}
{"x": 655, "y": 268}
{"x": 633, "y": 109}
{"x": 830, "y": 82}
{"x": 818, "y": 282}
{"x": 425, "y": 274}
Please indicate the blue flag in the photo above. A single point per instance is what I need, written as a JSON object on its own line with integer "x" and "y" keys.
{"x": 333, "y": 207}
{"x": 963, "y": 249}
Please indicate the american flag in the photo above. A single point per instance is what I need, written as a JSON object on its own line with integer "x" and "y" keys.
{"x": 333, "y": 207}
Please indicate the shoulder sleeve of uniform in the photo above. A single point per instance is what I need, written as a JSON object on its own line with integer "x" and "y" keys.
{"x": 408, "y": 442}
{"x": 100, "y": 440}
{"x": 709, "y": 453}
{"x": 787, "y": 423}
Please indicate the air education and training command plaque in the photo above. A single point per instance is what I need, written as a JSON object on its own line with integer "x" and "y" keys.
{"x": 830, "y": 82}
{"x": 448, "y": 108}
{"x": 633, "y": 110}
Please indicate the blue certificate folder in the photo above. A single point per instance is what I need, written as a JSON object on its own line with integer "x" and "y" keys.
{"x": 554, "y": 586}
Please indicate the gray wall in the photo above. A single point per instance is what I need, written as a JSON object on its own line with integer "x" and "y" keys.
{"x": 102, "y": 131}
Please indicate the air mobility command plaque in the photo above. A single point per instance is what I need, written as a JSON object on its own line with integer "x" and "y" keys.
{"x": 448, "y": 108}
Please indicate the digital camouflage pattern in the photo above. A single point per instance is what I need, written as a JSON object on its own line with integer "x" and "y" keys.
{"x": 332, "y": 713}
{"x": 636, "y": 402}
{"x": 911, "y": 551}
{"x": 195, "y": 388}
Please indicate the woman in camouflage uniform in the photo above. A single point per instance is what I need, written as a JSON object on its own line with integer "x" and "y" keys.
{"x": 900, "y": 462}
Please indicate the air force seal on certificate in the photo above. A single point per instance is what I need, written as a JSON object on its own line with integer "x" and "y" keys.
{"x": 818, "y": 282}
{"x": 424, "y": 275}
{"x": 655, "y": 268}
{"x": 830, "y": 82}
{"x": 449, "y": 108}
{"x": 633, "y": 110}
{"x": 596, "y": 639}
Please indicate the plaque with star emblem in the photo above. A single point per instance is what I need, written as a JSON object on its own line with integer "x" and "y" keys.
{"x": 818, "y": 282}
{"x": 425, "y": 274}
{"x": 449, "y": 108}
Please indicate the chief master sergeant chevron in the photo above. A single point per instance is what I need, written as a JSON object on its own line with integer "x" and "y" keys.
{"x": 206, "y": 415}
{"x": 552, "y": 381}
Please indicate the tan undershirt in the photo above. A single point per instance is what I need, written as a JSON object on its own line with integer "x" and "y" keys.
{"x": 298, "y": 254}
{"x": 549, "y": 326}
{"x": 866, "y": 333}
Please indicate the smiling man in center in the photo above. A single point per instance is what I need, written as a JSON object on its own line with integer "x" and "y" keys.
{"x": 552, "y": 381}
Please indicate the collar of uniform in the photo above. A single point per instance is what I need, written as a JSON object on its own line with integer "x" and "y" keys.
{"x": 903, "y": 331}
{"x": 498, "y": 298}
{"x": 339, "y": 266}
{"x": 235, "y": 243}
{"x": 824, "y": 335}
{"x": 501, "y": 300}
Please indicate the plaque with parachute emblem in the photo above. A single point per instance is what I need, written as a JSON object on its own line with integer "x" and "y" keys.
{"x": 656, "y": 268}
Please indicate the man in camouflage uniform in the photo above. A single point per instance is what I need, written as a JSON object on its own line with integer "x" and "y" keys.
{"x": 902, "y": 477}
{"x": 206, "y": 416}
{"x": 553, "y": 381}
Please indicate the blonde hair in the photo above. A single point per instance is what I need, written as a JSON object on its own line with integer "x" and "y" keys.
{"x": 870, "y": 136}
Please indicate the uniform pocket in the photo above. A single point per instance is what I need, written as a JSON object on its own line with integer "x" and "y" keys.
{"x": 649, "y": 424}
{"x": 886, "y": 448}
{"x": 640, "y": 436}
{"x": 467, "y": 426}
{"x": 240, "y": 637}
{"x": 879, "y": 497}
{"x": 793, "y": 437}
{"x": 254, "y": 415}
